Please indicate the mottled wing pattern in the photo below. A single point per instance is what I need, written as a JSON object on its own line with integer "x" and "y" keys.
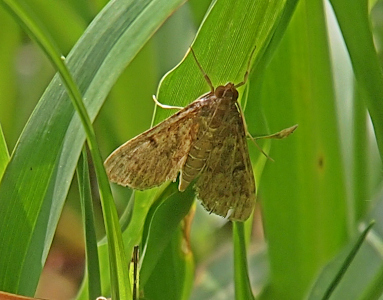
{"x": 158, "y": 154}
{"x": 226, "y": 183}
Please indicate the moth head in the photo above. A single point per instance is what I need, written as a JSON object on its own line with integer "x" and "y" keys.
{"x": 228, "y": 91}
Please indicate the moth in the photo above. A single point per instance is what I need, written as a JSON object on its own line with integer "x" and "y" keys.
{"x": 205, "y": 143}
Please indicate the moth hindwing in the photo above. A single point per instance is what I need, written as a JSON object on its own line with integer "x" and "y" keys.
{"x": 206, "y": 142}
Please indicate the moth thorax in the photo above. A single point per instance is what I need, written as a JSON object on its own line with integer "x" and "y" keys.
{"x": 227, "y": 91}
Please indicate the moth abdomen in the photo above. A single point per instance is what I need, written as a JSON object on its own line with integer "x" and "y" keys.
{"x": 196, "y": 159}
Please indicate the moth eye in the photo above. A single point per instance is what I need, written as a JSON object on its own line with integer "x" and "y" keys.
{"x": 235, "y": 94}
{"x": 219, "y": 91}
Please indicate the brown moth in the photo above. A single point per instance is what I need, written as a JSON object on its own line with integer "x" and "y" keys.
{"x": 206, "y": 142}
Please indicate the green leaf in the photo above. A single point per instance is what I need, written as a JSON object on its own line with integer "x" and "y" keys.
{"x": 304, "y": 198}
{"x": 45, "y": 157}
{"x": 164, "y": 223}
{"x": 241, "y": 276}
{"x": 61, "y": 21}
{"x": 10, "y": 39}
{"x": 118, "y": 272}
{"x": 167, "y": 268}
{"x": 215, "y": 276}
{"x": 336, "y": 269}
{"x": 365, "y": 62}
{"x": 91, "y": 253}
{"x": 362, "y": 279}
{"x": 224, "y": 55}
{"x": 4, "y": 155}
{"x": 374, "y": 290}
{"x": 223, "y": 45}
{"x": 177, "y": 264}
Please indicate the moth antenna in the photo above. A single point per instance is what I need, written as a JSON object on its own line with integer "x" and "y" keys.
{"x": 203, "y": 72}
{"x": 164, "y": 105}
{"x": 247, "y": 70}
{"x": 259, "y": 147}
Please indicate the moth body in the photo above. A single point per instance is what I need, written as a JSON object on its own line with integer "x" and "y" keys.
{"x": 223, "y": 99}
{"x": 205, "y": 142}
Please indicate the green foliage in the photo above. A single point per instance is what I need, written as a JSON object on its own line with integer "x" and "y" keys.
{"x": 314, "y": 197}
{"x": 4, "y": 155}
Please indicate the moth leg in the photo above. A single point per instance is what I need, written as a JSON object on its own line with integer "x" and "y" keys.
{"x": 164, "y": 105}
{"x": 280, "y": 134}
{"x": 259, "y": 147}
{"x": 249, "y": 135}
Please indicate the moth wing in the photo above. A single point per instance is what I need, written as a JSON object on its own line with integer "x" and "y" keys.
{"x": 158, "y": 154}
{"x": 227, "y": 182}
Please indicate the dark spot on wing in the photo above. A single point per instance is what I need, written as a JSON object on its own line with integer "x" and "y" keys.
{"x": 153, "y": 141}
{"x": 239, "y": 168}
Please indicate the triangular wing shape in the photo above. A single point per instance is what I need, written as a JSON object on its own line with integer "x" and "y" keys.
{"x": 226, "y": 184}
{"x": 158, "y": 154}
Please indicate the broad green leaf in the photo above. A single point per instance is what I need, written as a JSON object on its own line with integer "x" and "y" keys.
{"x": 166, "y": 251}
{"x": 173, "y": 275}
{"x": 222, "y": 50}
{"x": 224, "y": 55}
{"x": 367, "y": 69}
{"x": 45, "y": 157}
{"x": 303, "y": 194}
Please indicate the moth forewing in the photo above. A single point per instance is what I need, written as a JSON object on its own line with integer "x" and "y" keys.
{"x": 156, "y": 155}
{"x": 226, "y": 184}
